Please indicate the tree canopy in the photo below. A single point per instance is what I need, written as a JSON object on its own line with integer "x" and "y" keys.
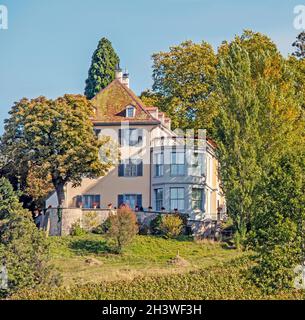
{"x": 184, "y": 81}
{"x": 251, "y": 101}
{"x": 261, "y": 147}
{"x": 55, "y": 136}
{"x": 24, "y": 250}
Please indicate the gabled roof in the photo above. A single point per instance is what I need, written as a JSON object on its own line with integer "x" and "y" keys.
{"x": 112, "y": 101}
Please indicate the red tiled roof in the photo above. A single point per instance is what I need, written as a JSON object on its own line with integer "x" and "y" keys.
{"x": 111, "y": 103}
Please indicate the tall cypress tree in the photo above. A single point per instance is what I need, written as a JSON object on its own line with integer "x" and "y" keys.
{"x": 102, "y": 69}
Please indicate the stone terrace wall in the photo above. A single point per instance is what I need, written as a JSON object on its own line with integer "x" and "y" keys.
{"x": 60, "y": 224}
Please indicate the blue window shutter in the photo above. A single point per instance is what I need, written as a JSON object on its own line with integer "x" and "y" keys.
{"x": 120, "y": 200}
{"x": 140, "y": 169}
{"x": 121, "y": 170}
{"x": 140, "y": 136}
{"x": 120, "y": 137}
{"x": 139, "y": 200}
{"x": 78, "y": 201}
{"x": 97, "y": 199}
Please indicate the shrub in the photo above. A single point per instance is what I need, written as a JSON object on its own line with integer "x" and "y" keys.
{"x": 90, "y": 220}
{"x": 24, "y": 250}
{"x": 144, "y": 230}
{"x": 171, "y": 225}
{"x": 102, "y": 228}
{"x": 155, "y": 225}
{"x": 122, "y": 228}
{"x": 77, "y": 230}
{"x": 185, "y": 228}
{"x": 277, "y": 257}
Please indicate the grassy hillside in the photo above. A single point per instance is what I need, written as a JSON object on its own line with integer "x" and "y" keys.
{"x": 87, "y": 258}
{"x": 225, "y": 282}
{"x": 149, "y": 269}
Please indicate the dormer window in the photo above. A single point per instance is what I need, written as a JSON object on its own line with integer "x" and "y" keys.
{"x": 130, "y": 112}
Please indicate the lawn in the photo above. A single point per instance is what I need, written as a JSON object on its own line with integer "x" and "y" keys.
{"x": 87, "y": 259}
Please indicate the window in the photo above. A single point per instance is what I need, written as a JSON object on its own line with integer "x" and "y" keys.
{"x": 177, "y": 163}
{"x": 89, "y": 201}
{"x": 131, "y": 137}
{"x": 130, "y": 111}
{"x": 132, "y": 200}
{"x": 197, "y": 164}
{"x": 197, "y": 199}
{"x": 159, "y": 199}
{"x": 159, "y": 164}
{"x": 131, "y": 168}
{"x": 177, "y": 198}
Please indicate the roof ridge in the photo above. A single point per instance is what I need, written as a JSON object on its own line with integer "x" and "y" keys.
{"x": 108, "y": 86}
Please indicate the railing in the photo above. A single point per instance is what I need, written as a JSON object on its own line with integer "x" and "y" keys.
{"x": 197, "y": 144}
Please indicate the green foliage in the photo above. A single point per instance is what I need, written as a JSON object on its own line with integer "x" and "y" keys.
{"x": 23, "y": 248}
{"x": 260, "y": 139}
{"x": 184, "y": 81}
{"x": 155, "y": 225}
{"x": 77, "y": 230}
{"x": 123, "y": 228}
{"x": 277, "y": 256}
{"x": 171, "y": 225}
{"x": 9, "y": 201}
{"x": 102, "y": 228}
{"x": 57, "y": 136}
{"x": 278, "y": 228}
{"x": 102, "y": 69}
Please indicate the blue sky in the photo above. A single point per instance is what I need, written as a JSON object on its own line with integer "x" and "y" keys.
{"x": 48, "y": 46}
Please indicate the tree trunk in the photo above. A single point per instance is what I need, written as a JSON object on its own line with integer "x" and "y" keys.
{"x": 60, "y": 194}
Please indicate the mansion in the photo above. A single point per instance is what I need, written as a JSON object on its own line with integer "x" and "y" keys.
{"x": 158, "y": 169}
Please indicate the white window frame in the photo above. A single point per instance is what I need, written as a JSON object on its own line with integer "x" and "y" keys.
{"x": 159, "y": 164}
{"x": 157, "y": 200}
{"x": 133, "y": 111}
{"x": 197, "y": 165}
{"x": 176, "y": 164}
{"x": 200, "y": 200}
{"x": 174, "y": 202}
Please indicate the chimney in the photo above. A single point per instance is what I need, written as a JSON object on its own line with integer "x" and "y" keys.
{"x": 118, "y": 73}
{"x": 125, "y": 79}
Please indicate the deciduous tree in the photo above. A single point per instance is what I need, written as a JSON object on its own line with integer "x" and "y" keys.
{"x": 184, "y": 82}
{"x": 260, "y": 137}
{"x": 56, "y": 136}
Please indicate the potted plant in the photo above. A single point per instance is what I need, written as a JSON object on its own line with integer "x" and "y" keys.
{"x": 95, "y": 204}
{"x": 80, "y": 204}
